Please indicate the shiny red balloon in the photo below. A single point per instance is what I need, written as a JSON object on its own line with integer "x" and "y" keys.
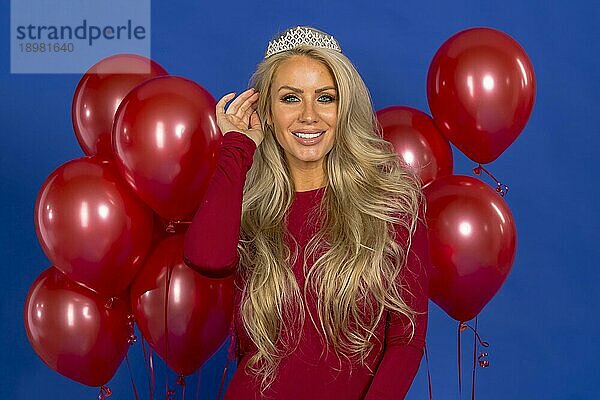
{"x": 481, "y": 90}
{"x": 91, "y": 226}
{"x": 166, "y": 142}
{"x": 417, "y": 141}
{"x": 198, "y": 309}
{"x": 100, "y": 92}
{"x": 75, "y": 331}
{"x": 472, "y": 242}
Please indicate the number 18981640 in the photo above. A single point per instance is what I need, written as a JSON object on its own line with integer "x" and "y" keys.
{"x": 50, "y": 47}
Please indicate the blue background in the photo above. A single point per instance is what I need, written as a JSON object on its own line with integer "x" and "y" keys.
{"x": 542, "y": 324}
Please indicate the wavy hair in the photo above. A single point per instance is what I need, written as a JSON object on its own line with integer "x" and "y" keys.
{"x": 358, "y": 259}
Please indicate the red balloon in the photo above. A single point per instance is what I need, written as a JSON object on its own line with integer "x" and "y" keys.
{"x": 100, "y": 92}
{"x": 91, "y": 226}
{"x": 481, "y": 90}
{"x": 472, "y": 242}
{"x": 75, "y": 331}
{"x": 417, "y": 141}
{"x": 199, "y": 310}
{"x": 166, "y": 143}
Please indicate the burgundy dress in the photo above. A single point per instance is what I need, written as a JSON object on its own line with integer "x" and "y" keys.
{"x": 306, "y": 373}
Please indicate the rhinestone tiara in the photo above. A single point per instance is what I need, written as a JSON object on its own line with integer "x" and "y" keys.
{"x": 300, "y": 35}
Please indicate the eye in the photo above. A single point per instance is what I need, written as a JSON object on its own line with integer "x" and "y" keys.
{"x": 289, "y": 98}
{"x": 327, "y": 98}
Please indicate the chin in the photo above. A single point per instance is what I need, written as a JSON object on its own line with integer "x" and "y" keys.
{"x": 307, "y": 158}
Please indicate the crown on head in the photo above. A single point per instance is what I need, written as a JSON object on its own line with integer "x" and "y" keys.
{"x": 301, "y": 35}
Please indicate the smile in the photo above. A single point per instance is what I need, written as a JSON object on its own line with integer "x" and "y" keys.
{"x": 308, "y": 135}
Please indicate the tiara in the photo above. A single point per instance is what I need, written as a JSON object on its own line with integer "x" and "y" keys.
{"x": 301, "y": 35}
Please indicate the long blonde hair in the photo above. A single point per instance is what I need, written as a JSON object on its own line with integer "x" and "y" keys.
{"x": 355, "y": 275}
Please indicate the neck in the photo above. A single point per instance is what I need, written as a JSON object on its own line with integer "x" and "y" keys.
{"x": 308, "y": 175}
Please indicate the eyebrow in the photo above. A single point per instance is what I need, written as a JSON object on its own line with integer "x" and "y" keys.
{"x": 302, "y": 91}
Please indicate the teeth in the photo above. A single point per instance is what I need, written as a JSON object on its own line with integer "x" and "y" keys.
{"x": 307, "y": 135}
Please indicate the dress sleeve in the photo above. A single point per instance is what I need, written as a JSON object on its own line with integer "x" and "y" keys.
{"x": 402, "y": 355}
{"x": 210, "y": 245}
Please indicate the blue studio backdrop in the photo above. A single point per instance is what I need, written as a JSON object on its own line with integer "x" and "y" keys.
{"x": 541, "y": 326}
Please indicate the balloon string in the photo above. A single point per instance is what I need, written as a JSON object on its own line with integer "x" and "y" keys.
{"x": 223, "y": 379}
{"x": 231, "y": 349}
{"x": 481, "y": 342}
{"x": 474, "y": 359}
{"x": 110, "y": 302}
{"x": 198, "y": 387}
{"x": 132, "y": 338}
{"x": 104, "y": 392}
{"x": 172, "y": 225}
{"x": 151, "y": 362}
{"x": 460, "y": 329}
{"x": 428, "y": 374}
{"x": 500, "y": 188}
{"x": 149, "y": 367}
{"x": 483, "y": 363}
{"x": 169, "y": 393}
{"x": 181, "y": 382}
{"x": 135, "y": 394}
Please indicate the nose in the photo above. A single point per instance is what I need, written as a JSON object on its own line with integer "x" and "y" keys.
{"x": 308, "y": 113}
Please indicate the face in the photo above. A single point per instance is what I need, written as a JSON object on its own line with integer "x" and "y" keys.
{"x": 304, "y": 111}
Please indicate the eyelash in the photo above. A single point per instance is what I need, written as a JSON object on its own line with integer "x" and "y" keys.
{"x": 289, "y": 96}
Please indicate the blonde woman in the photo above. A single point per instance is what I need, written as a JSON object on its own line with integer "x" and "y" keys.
{"x": 322, "y": 225}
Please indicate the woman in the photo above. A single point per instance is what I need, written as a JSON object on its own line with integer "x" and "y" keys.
{"x": 322, "y": 225}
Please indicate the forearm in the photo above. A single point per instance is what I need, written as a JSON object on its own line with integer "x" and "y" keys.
{"x": 211, "y": 240}
{"x": 399, "y": 365}
{"x": 403, "y": 353}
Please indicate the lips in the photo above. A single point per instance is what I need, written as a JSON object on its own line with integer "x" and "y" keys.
{"x": 308, "y": 137}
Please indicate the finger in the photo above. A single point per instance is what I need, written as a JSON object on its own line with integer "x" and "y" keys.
{"x": 248, "y": 107}
{"x": 235, "y": 104}
{"x": 255, "y": 121}
{"x": 221, "y": 103}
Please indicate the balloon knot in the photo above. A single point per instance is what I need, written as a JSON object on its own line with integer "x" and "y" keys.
{"x": 174, "y": 225}
{"x": 170, "y": 228}
{"x": 181, "y": 380}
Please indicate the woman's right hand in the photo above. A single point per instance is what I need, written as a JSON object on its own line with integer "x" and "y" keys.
{"x": 240, "y": 115}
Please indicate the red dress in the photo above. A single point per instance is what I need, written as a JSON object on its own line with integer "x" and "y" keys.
{"x": 211, "y": 243}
